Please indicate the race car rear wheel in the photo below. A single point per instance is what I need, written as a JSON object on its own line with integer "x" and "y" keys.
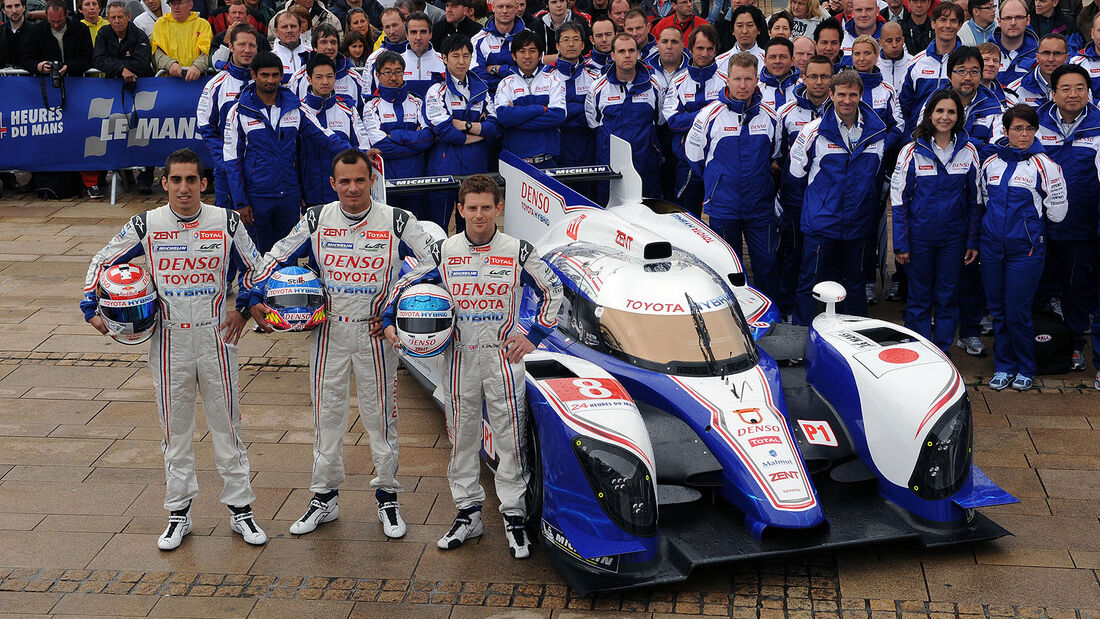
{"x": 533, "y": 497}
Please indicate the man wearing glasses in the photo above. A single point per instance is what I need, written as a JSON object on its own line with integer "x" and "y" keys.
{"x": 981, "y": 25}
{"x": 1033, "y": 88}
{"x": 1018, "y": 44}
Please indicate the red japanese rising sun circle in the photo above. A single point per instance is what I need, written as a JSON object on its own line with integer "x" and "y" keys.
{"x": 898, "y": 355}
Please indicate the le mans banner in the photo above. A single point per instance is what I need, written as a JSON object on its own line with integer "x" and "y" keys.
{"x": 100, "y": 126}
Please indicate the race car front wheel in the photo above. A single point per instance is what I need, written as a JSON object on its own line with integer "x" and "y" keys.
{"x": 533, "y": 497}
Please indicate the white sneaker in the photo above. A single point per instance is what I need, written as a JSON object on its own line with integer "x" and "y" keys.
{"x": 178, "y": 526}
{"x": 319, "y": 512}
{"x": 972, "y": 345}
{"x": 1056, "y": 307}
{"x": 245, "y": 524}
{"x": 467, "y": 525}
{"x": 389, "y": 514}
{"x": 1078, "y": 361}
{"x": 987, "y": 325}
{"x": 519, "y": 543}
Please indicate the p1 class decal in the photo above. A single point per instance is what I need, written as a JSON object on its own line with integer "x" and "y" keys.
{"x": 818, "y": 433}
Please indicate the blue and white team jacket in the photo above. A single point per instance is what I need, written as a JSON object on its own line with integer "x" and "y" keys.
{"x": 689, "y": 93}
{"x": 1089, "y": 59}
{"x": 776, "y": 92}
{"x": 219, "y": 94}
{"x": 349, "y": 85}
{"x": 927, "y": 74}
{"x": 935, "y": 202}
{"x": 731, "y": 144}
{"x": 1078, "y": 154}
{"x": 1014, "y": 64}
{"x": 630, "y": 110}
{"x": 315, "y": 168}
{"x": 531, "y": 111}
{"x": 493, "y": 47}
{"x": 1031, "y": 89}
{"x": 269, "y": 150}
{"x": 1020, "y": 190}
{"x": 835, "y": 182}
{"x": 469, "y": 101}
{"x": 394, "y": 122}
{"x": 883, "y": 99}
{"x": 423, "y": 71}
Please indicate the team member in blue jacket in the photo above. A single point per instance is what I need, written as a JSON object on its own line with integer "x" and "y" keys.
{"x": 1017, "y": 41}
{"x": 933, "y": 194}
{"x": 1069, "y": 130}
{"x": 732, "y": 145}
{"x": 396, "y": 126}
{"x": 699, "y": 85}
{"x": 1033, "y": 88}
{"x": 218, "y": 95}
{"x": 626, "y": 102}
{"x": 835, "y": 166}
{"x": 349, "y": 85}
{"x": 263, "y": 132}
{"x": 423, "y": 64}
{"x": 492, "y": 46}
{"x": 531, "y": 104}
{"x": 1089, "y": 57}
{"x": 811, "y": 101}
{"x": 928, "y": 71}
{"x": 1021, "y": 189}
{"x": 577, "y": 145}
{"x": 780, "y": 77}
{"x": 334, "y": 113}
{"x": 461, "y": 115}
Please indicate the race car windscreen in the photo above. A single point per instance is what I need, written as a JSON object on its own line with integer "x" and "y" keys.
{"x": 712, "y": 343}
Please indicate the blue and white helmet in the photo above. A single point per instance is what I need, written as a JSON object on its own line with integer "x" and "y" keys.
{"x": 296, "y": 298}
{"x": 425, "y": 320}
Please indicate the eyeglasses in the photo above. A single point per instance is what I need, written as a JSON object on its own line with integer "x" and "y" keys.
{"x": 1027, "y": 129}
{"x": 966, "y": 72}
{"x": 393, "y": 73}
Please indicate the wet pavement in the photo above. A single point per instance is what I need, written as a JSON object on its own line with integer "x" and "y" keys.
{"x": 81, "y": 487}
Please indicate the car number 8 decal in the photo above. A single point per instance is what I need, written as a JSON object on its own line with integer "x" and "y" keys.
{"x": 590, "y": 388}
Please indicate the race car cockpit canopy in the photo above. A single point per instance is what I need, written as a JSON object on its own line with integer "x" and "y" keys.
{"x": 676, "y": 316}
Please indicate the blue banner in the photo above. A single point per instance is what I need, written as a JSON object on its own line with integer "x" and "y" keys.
{"x": 101, "y": 126}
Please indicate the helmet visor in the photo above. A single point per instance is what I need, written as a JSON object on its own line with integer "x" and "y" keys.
{"x": 425, "y": 322}
{"x": 141, "y": 313}
{"x": 295, "y": 300}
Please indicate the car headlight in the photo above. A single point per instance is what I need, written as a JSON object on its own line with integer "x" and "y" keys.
{"x": 623, "y": 486}
{"x": 944, "y": 459}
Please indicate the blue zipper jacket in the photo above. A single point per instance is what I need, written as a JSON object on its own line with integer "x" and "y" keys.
{"x": 840, "y": 185}
{"x": 400, "y": 116}
{"x": 884, "y": 101}
{"x": 491, "y": 47}
{"x": 1078, "y": 155}
{"x": 1024, "y": 61}
{"x": 531, "y": 112}
{"x": 1019, "y": 190}
{"x": 775, "y": 91}
{"x": 934, "y": 203}
{"x": 1089, "y": 59}
{"x": 444, "y": 102}
{"x": 630, "y": 111}
{"x": 731, "y": 145}
{"x": 926, "y": 75}
{"x": 270, "y": 154}
{"x": 336, "y": 113}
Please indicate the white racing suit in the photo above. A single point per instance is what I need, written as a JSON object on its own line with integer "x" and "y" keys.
{"x": 486, "y": 283}
{"x": 188, "y": 260}
{"x": 358, "y": 260}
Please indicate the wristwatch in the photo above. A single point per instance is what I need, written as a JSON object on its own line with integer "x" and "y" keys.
{"x": 469, "y": 126}
{"x": 244, "y": 313}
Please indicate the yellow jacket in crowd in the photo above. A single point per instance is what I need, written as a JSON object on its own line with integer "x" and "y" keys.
{"x": 93, "y": 29}
{"x": 186, "y": 42}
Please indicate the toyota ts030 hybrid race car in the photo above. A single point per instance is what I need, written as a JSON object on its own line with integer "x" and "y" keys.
{"x": 666, "y": 430}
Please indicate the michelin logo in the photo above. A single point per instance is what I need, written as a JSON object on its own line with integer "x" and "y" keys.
{"x": 337, "y": 245}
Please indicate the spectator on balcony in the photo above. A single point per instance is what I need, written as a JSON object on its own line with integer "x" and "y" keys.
{"x": 181, "y": 42}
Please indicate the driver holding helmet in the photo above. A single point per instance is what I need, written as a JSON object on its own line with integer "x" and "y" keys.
{"x": 357, "y": 247}
{"x": 188, "y": 247}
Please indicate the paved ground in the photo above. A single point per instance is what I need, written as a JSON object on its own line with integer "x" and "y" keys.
{"x": 81, "y": 486}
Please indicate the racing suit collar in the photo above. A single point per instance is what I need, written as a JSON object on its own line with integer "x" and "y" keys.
{"x": 489, "y": 242}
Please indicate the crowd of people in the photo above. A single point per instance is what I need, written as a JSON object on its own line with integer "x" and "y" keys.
{"x": 793, "y": 134}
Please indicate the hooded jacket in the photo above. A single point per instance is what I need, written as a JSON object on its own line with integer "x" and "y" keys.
{"x": 186, "y": 42}
{"x": 269, "y": 153}
{"x": 731, "y": 144}
{"x": 933, "y": 202}
{"x": 839, "y": 185}
{"x": 1078, "y": 154}
{"x": 447, "y": 101}
{"x": 1019, "y": 191}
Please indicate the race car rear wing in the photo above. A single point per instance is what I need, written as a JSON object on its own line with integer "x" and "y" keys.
{"x": 404, "y": 186}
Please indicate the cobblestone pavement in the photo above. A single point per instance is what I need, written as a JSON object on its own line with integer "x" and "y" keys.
{"x": 81, "y": 486}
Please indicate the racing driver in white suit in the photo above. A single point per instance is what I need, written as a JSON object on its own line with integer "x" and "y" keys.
{"x": 485, "y": 271}
{"x": 188, "y": 247}
{"x": 356, "y": 247}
